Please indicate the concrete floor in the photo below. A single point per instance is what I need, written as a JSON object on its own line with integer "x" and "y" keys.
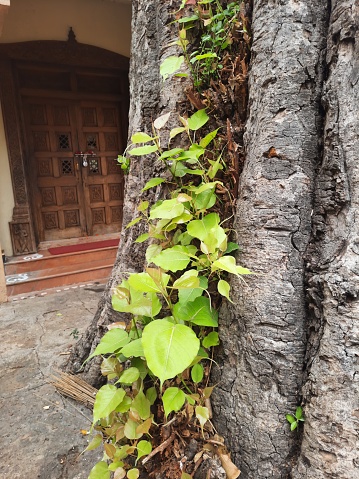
{"x": 40, "y": 432}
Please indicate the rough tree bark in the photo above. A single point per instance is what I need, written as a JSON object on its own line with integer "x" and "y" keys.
{"x": 263, "y": 333}
{"x": 331, "y": 393}
{"x": 291, "y": 335}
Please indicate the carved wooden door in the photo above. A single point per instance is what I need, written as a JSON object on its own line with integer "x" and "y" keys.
{"x": 74, "y": 195}
{"x": 99, "y": 134}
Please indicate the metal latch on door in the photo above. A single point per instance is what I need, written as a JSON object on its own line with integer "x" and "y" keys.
{"x": 84, "y": 156}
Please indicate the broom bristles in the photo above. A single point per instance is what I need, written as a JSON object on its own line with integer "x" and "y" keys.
{"x": 74, "y": 387}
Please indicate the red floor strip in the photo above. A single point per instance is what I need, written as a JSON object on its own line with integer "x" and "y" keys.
{"x": 73, "y": 248}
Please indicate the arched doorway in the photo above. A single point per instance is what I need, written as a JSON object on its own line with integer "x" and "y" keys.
{"x": 65, "y": 112}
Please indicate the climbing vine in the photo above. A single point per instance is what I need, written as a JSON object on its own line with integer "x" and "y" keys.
{"x": 158, "y": 362}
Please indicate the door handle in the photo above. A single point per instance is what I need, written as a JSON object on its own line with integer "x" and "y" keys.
{"x": 83, "y": 157}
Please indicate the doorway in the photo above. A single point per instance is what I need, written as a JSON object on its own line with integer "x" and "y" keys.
{"x": 76, "y": 182}
{"x": 65, "y": 111}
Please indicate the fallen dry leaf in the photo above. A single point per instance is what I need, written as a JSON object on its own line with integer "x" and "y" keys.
{"x": 231, "y": 469}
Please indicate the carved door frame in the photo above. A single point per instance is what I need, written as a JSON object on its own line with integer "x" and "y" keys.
{"x": 70, "y": 53}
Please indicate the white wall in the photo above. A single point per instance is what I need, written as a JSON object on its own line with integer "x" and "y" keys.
{"x": 106, "y": 24}
{"x": 6, "y": 194}
{"x": 96, "y": 22}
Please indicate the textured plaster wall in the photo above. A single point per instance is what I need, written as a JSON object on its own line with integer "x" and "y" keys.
{"x": 6, "y": 195}
{"x": 105, "y": 24}
{"x": 96, "y": 22}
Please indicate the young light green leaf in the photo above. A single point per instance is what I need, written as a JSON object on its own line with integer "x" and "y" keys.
{"x": 172, "y": 352}
{"x": 192, "y": 18}
{"x": 134, "y": 221}
{"x": 197, "y": 373}
{"x": 231, "y": 247}
{"x": 187, "y": 295}
{"x": 204, "y": 56}
{"x": 130, "y": 429}
{"x": 197, "y": 120}
{"x": 208, "y": 186}
{"x": 173, "y": 399}
{"x": 294, "y": 426}
{"x": 100, "y": 471}
{"x": 197, "y": 312}
{"x": 140, "y": 137}
{"x": 171, "y": 153}
{"x": 111, "y": 342}
{"x": 152, "y": 183}
{"x": 143, "y": 449}
{"x": 168, "y": 209}
{"x": 115, "y": 466}
{"x": 152, "y": 251}
{"x": 188, "y": 280}
{"x": 143, "y": 150}
{"x": 107, "y": 399}
{"x": 151, "y": 395}
{"x": 184, "y": 475}
{"x": 133, "y": 349}
{"x": 241, "y": 270}
{"x": 123, "y": 451}
{"x": 139, "y": 304}
{"x": 299, "y": 412}
{"x": 224, "y": 288}
{"x": 228, "y": 263}
{"x": 142, "y": 238}
{"x": 161, "y": 120}
{"x": 96, "y": 442}
{"x": 133, "y": 473}
{"x": 140, "y": 364}
{"x": 142, "y": 405}
{"x": 210, "y": 340}
{"x": 145, "y": 283}
{"x": 204, "y": 200}
{"x": 207, "y": 230}
{"x": 215, "y": 167}
{"x": 202, "y": 414}
{"x": 170, "y": 65}
{"x": 174, "y": 259}
{"x": 129, "y": 375}
{"x": 290, "y": 418}
{"x": 125, "y": 405}
{"x": 208, "y": 138}
{"x": 176, "y": 131}
{"x": 143, "y": 206}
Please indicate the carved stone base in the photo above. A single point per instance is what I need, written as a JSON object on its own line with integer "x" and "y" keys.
{"x": 22, "y": 238}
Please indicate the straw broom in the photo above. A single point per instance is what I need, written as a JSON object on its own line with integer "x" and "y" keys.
{"x": 74, "y": 387}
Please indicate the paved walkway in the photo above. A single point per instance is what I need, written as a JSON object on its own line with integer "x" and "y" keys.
{"x": 40, "y": 432}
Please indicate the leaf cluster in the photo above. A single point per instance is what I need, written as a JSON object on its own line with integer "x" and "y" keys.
{"x": 217, "y": 23}
{"x": 159, "y": 361}
{"x": 295, "y": 419}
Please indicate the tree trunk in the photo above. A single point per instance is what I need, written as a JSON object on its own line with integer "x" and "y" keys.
{"x": 149, "y": 97}
{"x": 331, "y": 393}
{"x": 263, "y": 332}
{"x": 295, "y": 323}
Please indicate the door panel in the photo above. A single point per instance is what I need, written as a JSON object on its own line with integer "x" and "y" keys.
{"x": 70, "y": 199}
{"x": 99, "y": 132}
{"x": 56, "y": 181}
